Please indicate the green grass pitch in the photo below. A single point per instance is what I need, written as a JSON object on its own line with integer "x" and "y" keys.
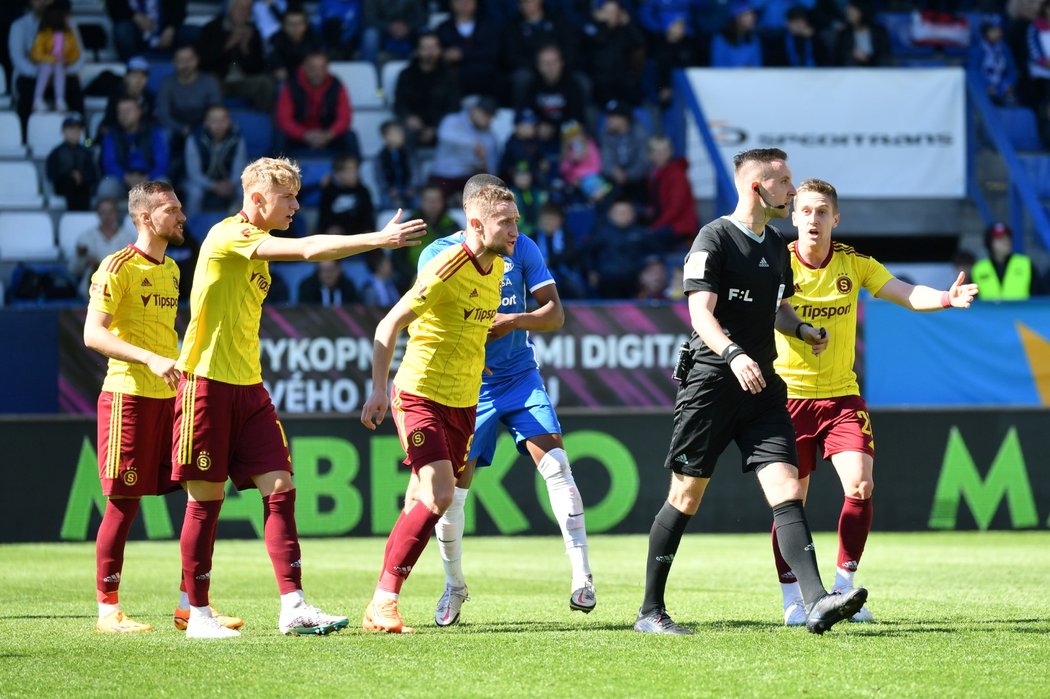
{"x": 959, "y": 615}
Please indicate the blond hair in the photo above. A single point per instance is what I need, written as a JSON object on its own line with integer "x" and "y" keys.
{"x": 267, "y": 173}
{"x": 820, "y": 187}
{"x": 484, "y": 200}
{"x": 140, "y": 197}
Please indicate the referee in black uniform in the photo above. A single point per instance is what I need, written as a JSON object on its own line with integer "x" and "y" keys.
{"x": 738, "y": 280}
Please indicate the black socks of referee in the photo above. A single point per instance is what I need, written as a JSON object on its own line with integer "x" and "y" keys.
{"x": 664, "y": 537}
{"x": 796, "y": 545}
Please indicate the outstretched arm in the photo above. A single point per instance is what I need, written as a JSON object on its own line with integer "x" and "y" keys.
{"x": 335, "y": 247}
{"x": 924, "y": 298}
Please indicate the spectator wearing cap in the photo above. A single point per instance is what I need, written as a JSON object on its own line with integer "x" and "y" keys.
{"x": 71, "y": 166}
{"x": 623, "y": 149}
{"x": 145, "y": 25}
{"x": 524, "y": 146}
{"x": 134, "y": 85}
{"x": 215, "y": 154}
{"x": 555, "y": 94}
{"x": 993, "y": 63}
{"x": 466, "y": 145}
{"x": 426, "y": 91}
{"x": 231, "y": 49}
{"x": 798, "y": 46}
{"x": 133, "y": 151}
{"x": 737, "y": 45}
{"x": 613, "y": 54}
{"x": 1005, "y": 275}
{"x": 314, "y": 111}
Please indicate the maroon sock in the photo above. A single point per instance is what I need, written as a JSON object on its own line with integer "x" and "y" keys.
{"x": 282, "y": 540}
{"x": 197, "y": 541}
{"x": 390, "y": 539}
{"x": 784, "y": 573}
{"x": 109, "y": 546}
{"x": 406, "y": 543}
{"x": 854, "y": 525}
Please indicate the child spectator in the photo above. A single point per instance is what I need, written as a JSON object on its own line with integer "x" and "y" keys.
{"x": 54, "y": 49}
{"x": 559, "y": 251}
{"x": 993, "y": 63}
{"x": 616, "y": 250}
{"x": 652, "y": 280}
{"x": 581, "y": 163}
{"x": 345, "y": 204}
{"x": 524, "y": 145}
{"x": 529, "y": 196}
{"x": 71, "y": 166}
{"x": 394, "y": 168}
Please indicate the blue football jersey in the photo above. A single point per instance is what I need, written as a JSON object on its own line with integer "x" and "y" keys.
{"x": 525, "y": 269}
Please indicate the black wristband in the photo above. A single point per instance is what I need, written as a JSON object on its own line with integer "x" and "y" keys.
{"x": 731, "y": 352}
{"x": 798, "y": 329}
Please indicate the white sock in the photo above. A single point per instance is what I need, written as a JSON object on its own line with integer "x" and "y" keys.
{"x": 792, "y": 593}
{"x": 449, "y": 533}
{"x": 200, "y": 612}
{"x": 184, "y": 600}
{"x": 105, "y": 610}
{"x": 293, "y": 599}
{"x": 385, "y": 594}
{"x": 567, "y": 506}
{"x": 844, "y": 579}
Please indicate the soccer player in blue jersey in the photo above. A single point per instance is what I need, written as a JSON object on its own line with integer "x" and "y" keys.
{"x": 512, "y": 393}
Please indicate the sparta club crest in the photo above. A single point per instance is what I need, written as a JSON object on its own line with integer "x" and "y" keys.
{"x": 844, "y": 284}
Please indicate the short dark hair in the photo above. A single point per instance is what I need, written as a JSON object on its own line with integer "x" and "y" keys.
{"x": 342, "y": 159}
{"x": 387, "y": 125}
{"x": 141, "y": 195}
{"x": 477, "y": 182}
{"x": 552, "y": 207}
{"x": 758, "y": 155}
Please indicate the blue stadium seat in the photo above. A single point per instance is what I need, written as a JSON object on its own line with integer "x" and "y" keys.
{"x": 1037, "y": 166}
{"x": 312, "y": 172}
{"x": 293, "y": 273}
{"x": 1020, "y": 127}
{"x": 579, "y": 220}
{"x": 257, "y": 129}
{"x": 198, "y": 225}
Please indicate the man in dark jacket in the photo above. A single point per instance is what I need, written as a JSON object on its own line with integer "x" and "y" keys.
{"x": 140, "y": 25}
{"x": 71, "y": 166}
{"x": 231, "y": 49}
{"x": 426, "y": 91}
{"x": 328, "y": 286}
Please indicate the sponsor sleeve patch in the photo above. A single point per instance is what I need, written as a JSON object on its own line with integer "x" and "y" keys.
{"x": 695, "y": 265}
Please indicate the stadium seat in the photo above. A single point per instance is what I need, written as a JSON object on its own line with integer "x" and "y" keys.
{"x": 388, "y": 82}
{"x": 257, "y": 129}
{"x": 293, "y": 273}
{"x": 21, "y": 186}
{"x": 367, "y": 172}
{"x": 312, "y": 172}
{"x": 1037, "y": 166}
{"x": 70, "y": 226}
{"x": 366, "y": 125}
{"x": 5, "y": 98}
{"x": 27, "y": 236}
{"x": 359, "y": 78}
{"x": 198, "y": 225}
{"x": 1019, "y": 125}
{"x": 43, "y": 133}
{"x": 11, "y": 135}
{"x": 579, "y": 220}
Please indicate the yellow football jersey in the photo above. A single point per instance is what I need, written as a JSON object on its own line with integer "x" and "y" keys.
{"x": 826, "y": 296}
{"x": 142, "y": 296}
{"x": 222, "y": 339}
{"x": 456, "y": 301}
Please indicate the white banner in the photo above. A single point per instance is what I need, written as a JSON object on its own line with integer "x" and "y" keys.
{"x": 873, "y": 133}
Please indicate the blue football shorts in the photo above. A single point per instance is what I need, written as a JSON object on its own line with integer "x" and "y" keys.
{"x": 519, "y": 402}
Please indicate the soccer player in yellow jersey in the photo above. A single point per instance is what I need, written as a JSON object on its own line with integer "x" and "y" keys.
{"x": 225, "y": 423}
{"x": 131, "y": 319}
{"x": 434, "y": 397}
{"x": 823, "y": 396}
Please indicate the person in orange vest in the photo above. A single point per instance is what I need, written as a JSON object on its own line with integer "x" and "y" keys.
{"x": 1005, "y": 275}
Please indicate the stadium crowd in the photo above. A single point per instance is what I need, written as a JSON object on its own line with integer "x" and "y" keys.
{"x": 564, "y": 99}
